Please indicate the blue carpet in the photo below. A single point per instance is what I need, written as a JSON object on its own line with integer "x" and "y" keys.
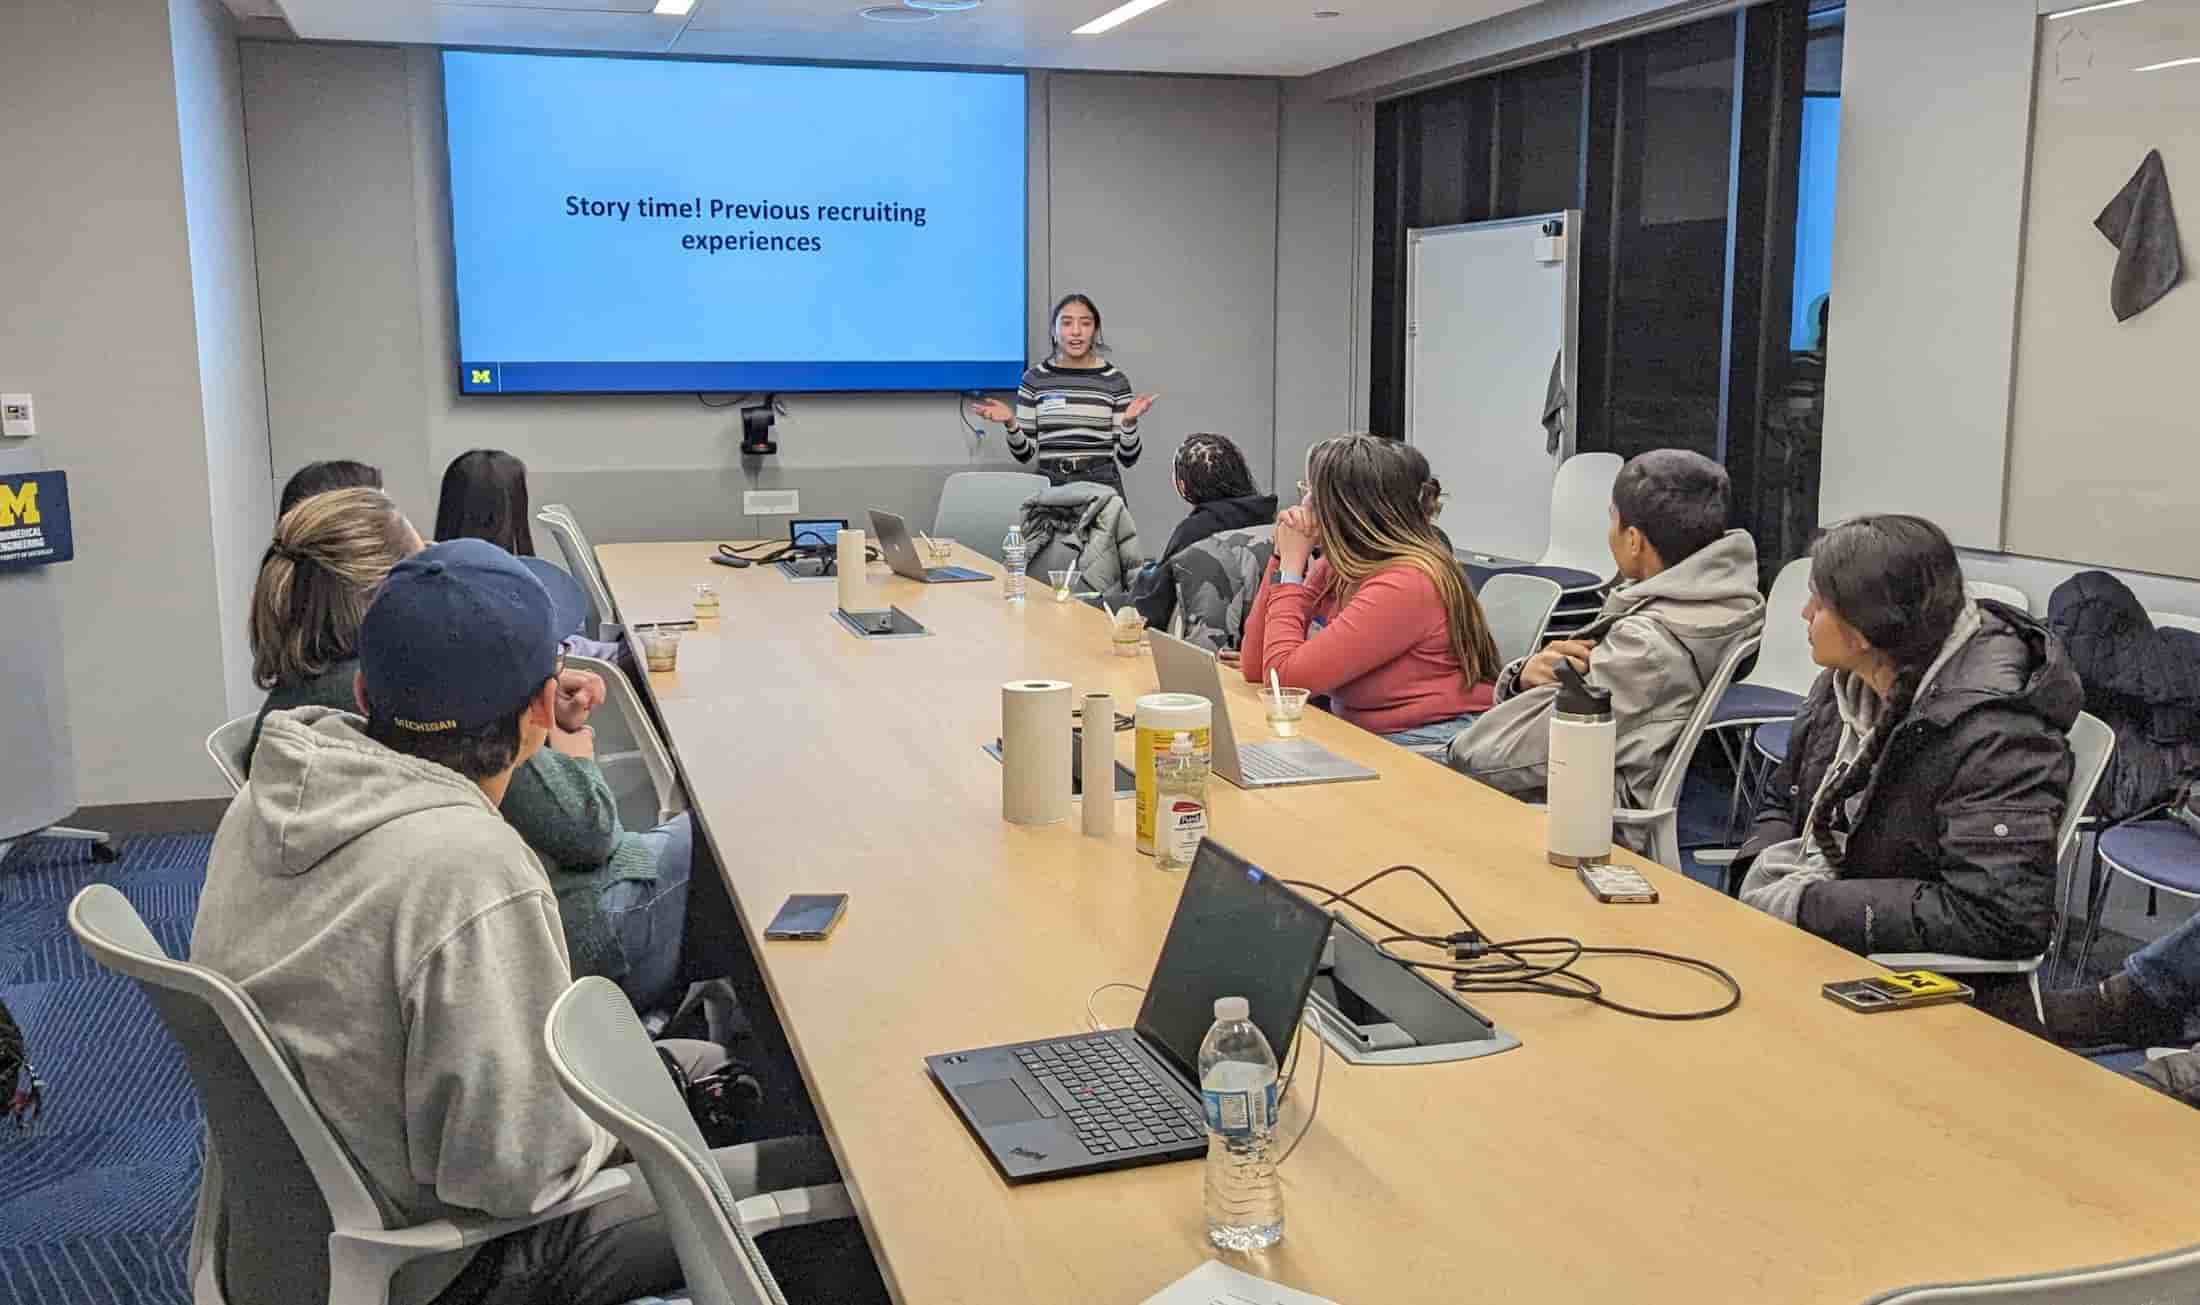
{"x": 95, "y": 1202}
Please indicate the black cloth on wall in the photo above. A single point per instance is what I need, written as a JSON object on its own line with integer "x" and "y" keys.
{"x": 2142, "y": 224}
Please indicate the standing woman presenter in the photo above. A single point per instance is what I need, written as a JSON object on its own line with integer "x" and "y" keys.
{"x": 1074, "y": 412}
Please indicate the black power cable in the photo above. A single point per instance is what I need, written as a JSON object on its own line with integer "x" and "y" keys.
{"x": 1535, "y": 965}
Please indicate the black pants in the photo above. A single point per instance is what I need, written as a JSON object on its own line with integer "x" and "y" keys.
{"x": 1098, "y": 468}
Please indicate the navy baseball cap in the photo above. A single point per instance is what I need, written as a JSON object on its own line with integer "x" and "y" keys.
{"x": 459, "y": 638}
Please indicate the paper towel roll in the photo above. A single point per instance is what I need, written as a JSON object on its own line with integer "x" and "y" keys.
{"x": 1099, "y": 764}
{"x": 848, "y": 560}
{"x": 1034, "y": 751}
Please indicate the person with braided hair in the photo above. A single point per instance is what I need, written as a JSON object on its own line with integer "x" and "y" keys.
{"x": 1918, "y": 804}
{"x": 1210, "y": 473}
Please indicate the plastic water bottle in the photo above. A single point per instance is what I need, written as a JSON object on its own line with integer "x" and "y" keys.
{"x": 1180, "y": 821}
{"x": 1012, "y": 557}
{"x": 1237, "y": 1075}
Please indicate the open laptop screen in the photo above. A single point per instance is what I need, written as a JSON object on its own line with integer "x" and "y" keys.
{"x": 1237, "y": 933}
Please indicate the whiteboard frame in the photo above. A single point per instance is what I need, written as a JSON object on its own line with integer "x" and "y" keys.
{"x": 1571, "y": 332}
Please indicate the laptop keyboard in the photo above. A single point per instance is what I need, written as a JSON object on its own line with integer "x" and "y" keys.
{"x": 1110, "y": 1096}
{"x": 1260, "y": 763}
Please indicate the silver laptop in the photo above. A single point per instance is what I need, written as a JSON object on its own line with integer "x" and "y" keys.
{"x": 1188, "y": 668}
{"x": 892, "y": 534}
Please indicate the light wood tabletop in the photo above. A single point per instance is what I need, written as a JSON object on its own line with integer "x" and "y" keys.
{"x": 1790, "y": 1151}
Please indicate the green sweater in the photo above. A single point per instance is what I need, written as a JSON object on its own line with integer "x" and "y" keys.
{"x": 561, "y": 806}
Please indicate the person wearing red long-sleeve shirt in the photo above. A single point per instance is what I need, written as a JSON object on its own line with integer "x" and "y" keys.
{"x": 1384, "y": 622}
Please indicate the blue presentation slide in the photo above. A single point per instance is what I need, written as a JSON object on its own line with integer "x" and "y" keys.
{"x": 660, "y": 225}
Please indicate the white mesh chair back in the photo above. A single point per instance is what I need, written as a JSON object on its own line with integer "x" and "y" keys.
{"x": 580, "y": 559}
{"x": 976, "y": 507}
{"x": 1517, "y": 608}
{"x": 227, "y": 744}
{"x": 633, "y": 724}
{"x": 1581, "y": 505}
{"x": 1783, "y": 658}
{"x": 604, "y": 1059}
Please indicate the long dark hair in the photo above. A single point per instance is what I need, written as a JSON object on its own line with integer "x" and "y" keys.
{"x": 1897, "y": 581}
{"x": 1099, "y": 336}
{"x": 1367, "y": 496}
{"x": 485, "y": 497}
{"x": 1211, "y": 467}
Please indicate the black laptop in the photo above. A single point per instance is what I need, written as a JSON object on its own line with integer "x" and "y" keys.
{"x": 1092, "y": 1101}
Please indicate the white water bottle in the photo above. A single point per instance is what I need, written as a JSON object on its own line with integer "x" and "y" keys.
{"x": 1578, "y": 807}
{"x": 1012, "y": 559}
{"x": 1237, "y": 1075}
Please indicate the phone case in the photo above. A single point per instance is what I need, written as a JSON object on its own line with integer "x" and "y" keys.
{"x": 1903, "y": 990}
{"x": 1616, "y": 883}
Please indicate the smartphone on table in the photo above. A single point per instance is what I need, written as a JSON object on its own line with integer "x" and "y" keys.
{"x": 807, "y": 916}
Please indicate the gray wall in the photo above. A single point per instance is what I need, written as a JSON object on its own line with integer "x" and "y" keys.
{"x": 1935, "y": 133}
{"x": 1325, "y": 195}
{"x": 100, "y": 325}
{"x": 226, "y": 314}
{"x": 1158, "y": 195}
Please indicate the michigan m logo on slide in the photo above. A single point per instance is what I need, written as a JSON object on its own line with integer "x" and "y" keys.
{"x": 19, "y": 504}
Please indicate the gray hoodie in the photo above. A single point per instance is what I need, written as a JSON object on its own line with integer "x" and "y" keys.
{"x": 1657, "y": 643}
{"x": 403, "y": 946}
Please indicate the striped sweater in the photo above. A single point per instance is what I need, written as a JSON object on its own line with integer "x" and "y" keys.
{"x": 1073, "y": 412}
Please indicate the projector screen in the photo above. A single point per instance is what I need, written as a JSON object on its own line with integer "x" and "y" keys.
{"x": 653, "y": 225}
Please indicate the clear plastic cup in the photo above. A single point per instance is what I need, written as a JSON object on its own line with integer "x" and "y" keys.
{"x": 938, "y": 552}
{"x": 1127, "y": 632}
{"x": 660, "y": 648}
{"x": 706, "y": 602}
{"x": 1284, "y": 710}
{"x": 1060, "y": 581}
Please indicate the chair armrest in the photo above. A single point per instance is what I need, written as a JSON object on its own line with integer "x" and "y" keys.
{"x": 1947, "y": 963}
{"x": 794, "y": 1207}
{"x": 1641, "y": 815}
{"x": 1716, "y": 855}
{"x": 460, "y": 1232}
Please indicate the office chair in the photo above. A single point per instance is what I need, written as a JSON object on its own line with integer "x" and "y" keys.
{"x": 227, "y": 744}
{"x": 977, "y": 507}
{"x": 605, "y": 1062}
{"x": 580, "y": 560}
{"x": 1661, "y": 818}
{"x": 299, "y": 1221}
{"x": 2091, "y": 745}
{"x": 1517, "y": 608}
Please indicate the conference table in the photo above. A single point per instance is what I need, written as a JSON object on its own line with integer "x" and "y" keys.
{"x": 1787, "y": 1151}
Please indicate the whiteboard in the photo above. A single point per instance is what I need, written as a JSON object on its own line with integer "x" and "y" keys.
{"x": 2103, "y": 457}
{"x": 1484, "y": 320}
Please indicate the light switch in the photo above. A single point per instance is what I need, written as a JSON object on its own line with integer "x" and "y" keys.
{"x": 17, "y": 416}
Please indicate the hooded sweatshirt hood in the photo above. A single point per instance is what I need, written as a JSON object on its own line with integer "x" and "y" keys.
{"x": 1706, "y": 600}
{"x": 318, "y": 782}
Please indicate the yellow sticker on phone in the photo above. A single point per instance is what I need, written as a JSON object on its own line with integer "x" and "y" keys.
{"x": 1925, "y": 983}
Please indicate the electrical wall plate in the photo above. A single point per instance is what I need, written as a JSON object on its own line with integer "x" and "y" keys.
{"x": 18, "y": 416}
{"x": 771, "y": 502}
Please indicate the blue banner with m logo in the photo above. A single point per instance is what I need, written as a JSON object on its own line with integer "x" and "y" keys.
{"x": 34, "y": 519}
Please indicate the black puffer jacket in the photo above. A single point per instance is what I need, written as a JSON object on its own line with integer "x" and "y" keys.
{"x": 2142, "y": 682}
{"x": 1153, "y": 589}
{"x": 1954, "y": 842}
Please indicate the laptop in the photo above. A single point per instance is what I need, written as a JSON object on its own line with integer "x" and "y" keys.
{"x": 1189, "y": 668}
{"x": 893, "y": 541}
{"x": 1088, "y": 1102}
